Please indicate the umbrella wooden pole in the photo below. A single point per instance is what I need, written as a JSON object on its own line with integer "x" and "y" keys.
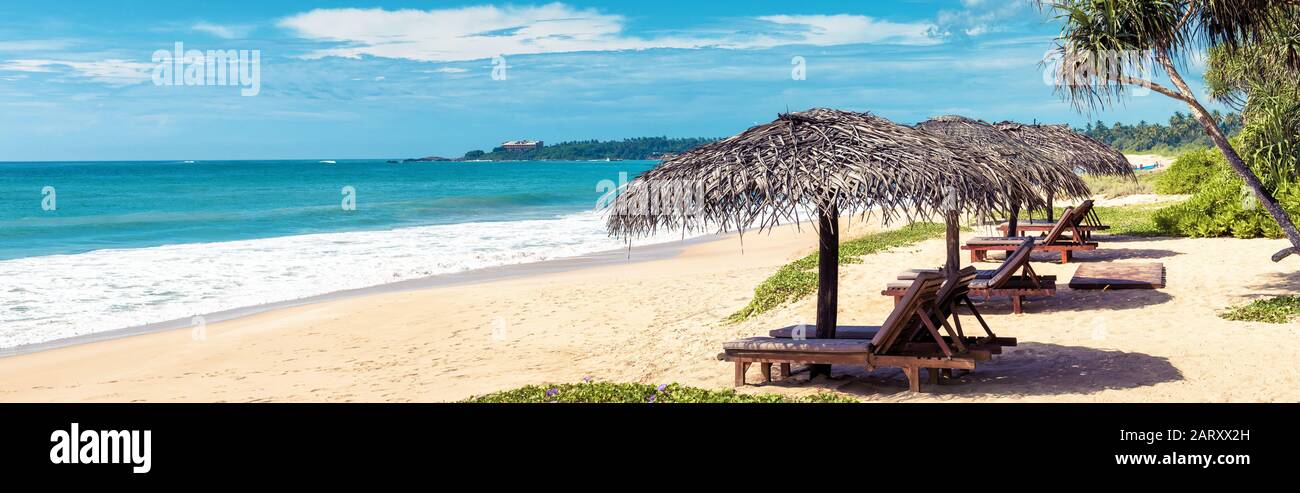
{"x": 828, "y": 269}
{"x": 1011, "y": 222}
{"x": 1050, "y": 210}
{"x": 953, "y": 265}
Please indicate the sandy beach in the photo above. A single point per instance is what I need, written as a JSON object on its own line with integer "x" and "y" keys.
{"x": 659, "y": 321}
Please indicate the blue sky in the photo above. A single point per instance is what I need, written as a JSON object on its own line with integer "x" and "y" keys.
{"x": 345, "y": 79}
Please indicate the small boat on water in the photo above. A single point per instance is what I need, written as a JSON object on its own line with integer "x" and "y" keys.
{"x": 328, "y": 162}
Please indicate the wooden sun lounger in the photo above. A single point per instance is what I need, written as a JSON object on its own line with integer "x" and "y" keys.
{"x": 947, "y": 299}
{"x": 909, "y": 339}
{"x": 1086, "y": 222}
{"x": 1054, "y": 241}
{"x": 1000, "y": 282}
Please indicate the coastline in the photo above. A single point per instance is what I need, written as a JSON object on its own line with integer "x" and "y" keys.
{"x": 455, "y": 320}
{"x": 653, "y": 251}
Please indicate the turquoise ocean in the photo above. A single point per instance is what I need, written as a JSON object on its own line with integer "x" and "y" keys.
{"x": 87, "y": 247}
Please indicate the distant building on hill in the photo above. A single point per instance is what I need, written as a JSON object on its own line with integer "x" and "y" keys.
{"x": 522, "y": 145}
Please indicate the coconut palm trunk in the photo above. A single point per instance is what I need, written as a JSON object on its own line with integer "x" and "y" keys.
{"x": 1239, "y": 166}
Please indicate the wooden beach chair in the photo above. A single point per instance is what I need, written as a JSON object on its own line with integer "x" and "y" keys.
{"x": 949, "y": 297}
{"x": 1055, "y": 241}
{"x": 1004, "y": 281}
{"x": 909, "y": 339}
{"x": 1086, "y": 222}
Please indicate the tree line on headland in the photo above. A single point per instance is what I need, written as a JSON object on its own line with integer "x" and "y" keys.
{"x": 1183, "y": 133}
{"x": 585, "y": 150}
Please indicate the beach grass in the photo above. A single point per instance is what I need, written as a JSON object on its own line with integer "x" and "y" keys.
{"x": 1131, "y": 220}
{"x": 798, "y": 279}
{"x": 1276, "y": 310}
{"x": 1119, "y": 186}
{"x": 639, "y": 393}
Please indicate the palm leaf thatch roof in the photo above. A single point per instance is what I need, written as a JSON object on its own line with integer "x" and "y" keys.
{"x": 1050, "y": 175}
{"x": 823, "y": 159}
{"x": 1072, "y": 148}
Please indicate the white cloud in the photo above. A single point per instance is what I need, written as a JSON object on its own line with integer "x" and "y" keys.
{"x": 112, "y": 71}
{"x": 980, "y": 17}
{"x": 472, "y": 33}
{"x": 222, "y": 31}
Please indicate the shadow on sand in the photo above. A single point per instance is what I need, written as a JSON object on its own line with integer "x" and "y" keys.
{"x": 1270, "y": 284}
{"x": 1075, "y": 300}
{"x": 1105, "y": 253}
{"x": 1104, "y": 239}
{"x": 1030, "y": 369}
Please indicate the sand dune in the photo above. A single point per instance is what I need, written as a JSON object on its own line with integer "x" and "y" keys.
{"x": 659, "y": 321}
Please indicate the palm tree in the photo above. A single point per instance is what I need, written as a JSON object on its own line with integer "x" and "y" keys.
{"x": 1106, "y": 47}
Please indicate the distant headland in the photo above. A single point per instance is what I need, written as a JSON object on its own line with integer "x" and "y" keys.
{"x": 639, "y": 148}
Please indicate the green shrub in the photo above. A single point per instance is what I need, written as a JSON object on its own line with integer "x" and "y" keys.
{"x": 1191, "y": 169}
{"x": 798, "y": 279}
{"x": 1278, "y": 310}
{"x": 1222, "y": 206}
{"x": 638, "y": 393}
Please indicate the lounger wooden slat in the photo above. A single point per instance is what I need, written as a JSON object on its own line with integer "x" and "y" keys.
{"x": 841, "y": 331}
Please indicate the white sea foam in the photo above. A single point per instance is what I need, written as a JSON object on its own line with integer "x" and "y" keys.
{"x": 60, "y": 296}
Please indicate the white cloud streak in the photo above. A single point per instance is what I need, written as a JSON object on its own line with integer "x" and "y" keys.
{"x": 112, "y": 71}
{"x": 473, "y": 33}
{"x": 222, "y": 31}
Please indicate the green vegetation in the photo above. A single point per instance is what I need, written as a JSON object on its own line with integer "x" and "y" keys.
{"x": 1189, "y": 171}
{"x": 638, "y": 393}
{"x": 799, "y": 278}
{"x": 1183, "y": 133}
{"x": 1221, "y": 204}
{"x": 638, "y": 148}
{"x": 1277, "y": 310}
{"x": 1131, "y": 220}
{"x": 1120, "y": 186}
{"x": 1253, "y": 67}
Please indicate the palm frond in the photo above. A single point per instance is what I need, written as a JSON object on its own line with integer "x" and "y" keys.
{"x": 1071, "y": 148}
{"x": 1011, "y": 156}
{"x": 816, "y": 159}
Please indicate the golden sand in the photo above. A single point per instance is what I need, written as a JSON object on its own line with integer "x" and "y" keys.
{"x": 659, "y": 321}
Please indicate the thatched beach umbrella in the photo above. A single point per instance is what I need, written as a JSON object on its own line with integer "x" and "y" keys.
{"x": 1052, "y": 177}
{"x": 1073, "y": 149}
{"x": 822, "y": 161}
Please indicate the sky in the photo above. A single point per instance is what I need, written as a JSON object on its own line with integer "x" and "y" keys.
{"x": 83, "y": 79}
